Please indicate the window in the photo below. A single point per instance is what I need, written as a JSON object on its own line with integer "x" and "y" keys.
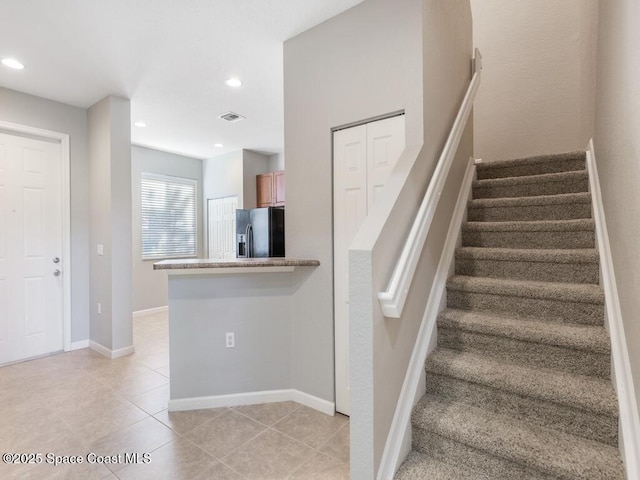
{"x": 169, "y": 217}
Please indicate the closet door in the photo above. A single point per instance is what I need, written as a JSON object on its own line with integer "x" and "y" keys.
{"x": 350, "y": 209}
{"x": 363, "y": 158}
{"x": 221, "y": 227}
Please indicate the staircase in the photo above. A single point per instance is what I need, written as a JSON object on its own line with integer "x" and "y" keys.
{"x": 519, "y": 386}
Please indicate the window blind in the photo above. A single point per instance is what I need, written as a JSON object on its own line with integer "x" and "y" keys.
{"x": 169, "y": 216}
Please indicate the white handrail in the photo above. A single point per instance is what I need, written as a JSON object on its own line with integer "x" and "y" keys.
{"x": 392, "y": 300}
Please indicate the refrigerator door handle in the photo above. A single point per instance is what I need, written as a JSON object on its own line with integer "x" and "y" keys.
{"x": 249, "y": 236}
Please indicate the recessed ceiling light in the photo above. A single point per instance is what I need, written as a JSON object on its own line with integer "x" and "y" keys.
{"x": 139, "y": 124}
{"x": 12, "y": 63}
{"x": 218, "y": 145}
{"x": 233, "y": 82}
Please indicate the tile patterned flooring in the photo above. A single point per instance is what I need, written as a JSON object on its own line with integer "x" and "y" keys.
{"x": 79, "y": 402}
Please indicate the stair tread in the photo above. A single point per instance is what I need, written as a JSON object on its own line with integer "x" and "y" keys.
{"x": 579, "y": 224}
{"x": 568, "y": 292}
{"x": 539, "y": 448}
{"x": 532, "y": 160}
{"x": 592, "y": 394}
{"x": 573, "y": 336}
{"x": 558, "y": 199}
{"x": 576, "y": 255}
{"x": 571, "y": 175}
{"x": 419, "y": 466}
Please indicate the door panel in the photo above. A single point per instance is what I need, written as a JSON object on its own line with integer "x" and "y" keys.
{"x": 34, "y": 316}
{"x": 278, "y": 183}
{"x": 33, "y": 237}
{"x": 385, "y": 143}
{"x": 264, "y": 187}
{"x": 31, "y": 221}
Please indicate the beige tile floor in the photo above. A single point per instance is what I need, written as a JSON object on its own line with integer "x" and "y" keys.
{"x": 77, "y": 403}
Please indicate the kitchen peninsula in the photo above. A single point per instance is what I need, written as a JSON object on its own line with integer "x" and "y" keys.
{"x": 230, "y": 331}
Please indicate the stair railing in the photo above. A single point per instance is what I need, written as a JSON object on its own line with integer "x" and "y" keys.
{"x": 392, "y": 300}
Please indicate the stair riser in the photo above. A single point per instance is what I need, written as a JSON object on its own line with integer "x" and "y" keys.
{"x": 524, "y": 239}
{"x": 573, "y": 421}
{"x": 531, "y": 169}
{"x": 567, "y": 211}
{"x": 531, "y": 189}
{"x": 442, "y": 449}
{"x": 528, "y": 354}
{"x": 523, "y": 307}
{"x": 537, "y": 271}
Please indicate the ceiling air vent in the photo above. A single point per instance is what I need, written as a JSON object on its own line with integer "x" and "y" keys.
{"x": 231, "y": 117}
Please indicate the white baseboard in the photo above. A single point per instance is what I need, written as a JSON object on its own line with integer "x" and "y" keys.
{"x": 316, "y": 403}
{"x": 79, "y": 345}
{"x": 629, "y": 420}
{"x": 150, "y": 311}
{"x": 102, "y": 350}
{"x": 252, "y": 398}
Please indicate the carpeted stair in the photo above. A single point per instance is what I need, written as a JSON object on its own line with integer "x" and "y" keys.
{"x": 519, "y": 386}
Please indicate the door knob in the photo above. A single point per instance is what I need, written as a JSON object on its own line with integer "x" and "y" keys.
{"x": 56, "y": 260}
{"x": 57, "y": 273}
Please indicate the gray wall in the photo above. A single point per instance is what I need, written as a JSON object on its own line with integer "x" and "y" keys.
{"x": 110, "y": 199}
{"x": 538, "y": 87}
{"x": 222, "y": 177}
{"x": 360, "y": 64}
{"x": 255, "y": 307}
{"x": 150, "y": 286}
{"x": 276, "y": 162}
{"x": 253, "y": 164}
{"x": 38, "y": 112}
{"x": 617, "y": 145}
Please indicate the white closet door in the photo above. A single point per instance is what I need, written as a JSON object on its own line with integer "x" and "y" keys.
{"x": 31, "y": 287}
{"x": 229, "y": 207}
{"x": 350, "y": 209}
{"x": 363, "y": 158}
{"x": 221, "y": 227}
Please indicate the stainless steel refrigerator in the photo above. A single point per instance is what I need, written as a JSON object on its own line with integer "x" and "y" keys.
{"x": 260, "y": 232}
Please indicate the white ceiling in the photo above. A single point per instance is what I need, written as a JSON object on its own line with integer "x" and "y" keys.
{"x": 170, "y": 57}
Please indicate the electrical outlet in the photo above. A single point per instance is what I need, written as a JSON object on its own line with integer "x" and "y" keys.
{"x": 100, "y": 249}
{"x": 99, "y": 308}
{"x": 230, "y": 340}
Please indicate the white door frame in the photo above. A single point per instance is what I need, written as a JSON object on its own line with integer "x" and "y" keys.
{"x": 63, "y": 138}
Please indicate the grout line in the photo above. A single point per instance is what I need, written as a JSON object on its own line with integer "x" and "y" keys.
{"x": 235, "y": 409}
{"x": 213, "y": 457}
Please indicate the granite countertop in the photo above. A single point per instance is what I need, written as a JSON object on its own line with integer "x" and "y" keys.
{"x": 196, "y": 263}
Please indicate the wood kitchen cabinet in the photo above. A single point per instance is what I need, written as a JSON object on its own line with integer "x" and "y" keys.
{"x": 270, "y": 189}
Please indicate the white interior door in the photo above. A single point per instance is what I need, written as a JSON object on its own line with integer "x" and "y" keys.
{"x": 31, "y": 286}
{"x": 222, "y": 227}
{"x": 363, "y": 158}
{"x": 350, "y": 209}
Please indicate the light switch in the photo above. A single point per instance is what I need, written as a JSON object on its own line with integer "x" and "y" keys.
{"x": 100, "y": 249}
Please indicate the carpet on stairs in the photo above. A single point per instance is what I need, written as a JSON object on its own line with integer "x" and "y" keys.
{"x": 519, "y": 385}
